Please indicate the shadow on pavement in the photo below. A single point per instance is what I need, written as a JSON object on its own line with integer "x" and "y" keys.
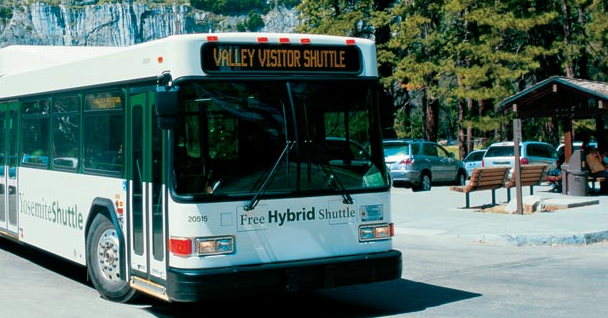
{"x": 381, "y": 299}
{"x": 373, "y": 300}
{"x": 47, "y": 260}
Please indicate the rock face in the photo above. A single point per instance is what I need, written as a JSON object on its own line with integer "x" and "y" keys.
{"x": 100, "y": 23}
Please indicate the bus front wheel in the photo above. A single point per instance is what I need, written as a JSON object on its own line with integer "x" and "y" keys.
{"x": 104, "y": 261}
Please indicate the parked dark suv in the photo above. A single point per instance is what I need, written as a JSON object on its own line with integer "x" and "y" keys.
{"x": 418, "y": 164}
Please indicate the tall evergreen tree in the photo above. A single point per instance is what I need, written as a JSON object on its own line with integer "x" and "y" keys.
{"x": 490, "y": 55}
{"x": 597, "y": 31}
{"x": 461, "y": 57}
{"x": 465, "y": 54}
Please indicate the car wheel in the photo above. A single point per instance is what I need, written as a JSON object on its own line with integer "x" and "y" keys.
{"x": 425, "y": 183}
{"x": 461, "y": 178}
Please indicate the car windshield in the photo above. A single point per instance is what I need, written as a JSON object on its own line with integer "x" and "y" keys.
{"x": 475, "y": 156}
{"x": 243, "y": 138}
{"x": 396, "y": 150}
{"x": 500, "y": 151}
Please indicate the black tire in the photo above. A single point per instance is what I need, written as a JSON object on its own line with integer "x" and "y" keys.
{"x": 461, "y": 178}
{"x": 104, "y": 261}
{"x": 425, "y": 183}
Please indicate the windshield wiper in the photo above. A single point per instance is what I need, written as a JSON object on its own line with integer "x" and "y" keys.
{"x": 254, "y": 201}
{"x": 333, "y": 180}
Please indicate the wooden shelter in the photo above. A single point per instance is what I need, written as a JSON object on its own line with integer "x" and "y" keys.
{"x": 565, "y": 99}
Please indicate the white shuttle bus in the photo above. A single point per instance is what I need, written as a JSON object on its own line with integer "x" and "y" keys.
{"x": 201, "y": 165}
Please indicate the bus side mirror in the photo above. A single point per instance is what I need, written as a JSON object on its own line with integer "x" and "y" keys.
{"x": 166, "y": 101}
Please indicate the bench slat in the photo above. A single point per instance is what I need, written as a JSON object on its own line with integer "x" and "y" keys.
{"x": 494, "y": 181}
{"x": 485, "y": 178}
{"x": 530, "y": 175}
{"x": 498, "y": 177}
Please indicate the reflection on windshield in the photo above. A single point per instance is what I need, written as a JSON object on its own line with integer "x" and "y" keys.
{"x": 252, "y": 139}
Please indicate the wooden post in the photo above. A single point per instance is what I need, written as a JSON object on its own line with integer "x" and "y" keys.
{"x": 567, "y": 128}
{"x": 516, "y": 170}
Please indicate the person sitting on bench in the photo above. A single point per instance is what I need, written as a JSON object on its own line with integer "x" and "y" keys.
{"x": 555, "y": 175}
{"x": 597, "y": 169}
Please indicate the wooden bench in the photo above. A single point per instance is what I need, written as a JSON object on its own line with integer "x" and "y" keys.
{"x": 531, "y": 175}
{"x": 485, "y": 178}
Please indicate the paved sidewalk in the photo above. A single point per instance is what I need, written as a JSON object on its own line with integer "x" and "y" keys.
{"x": 575, "y": 220}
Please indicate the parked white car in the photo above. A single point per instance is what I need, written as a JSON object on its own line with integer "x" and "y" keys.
{"x": 473, "y": 160}
{"x": 530, "y": 152}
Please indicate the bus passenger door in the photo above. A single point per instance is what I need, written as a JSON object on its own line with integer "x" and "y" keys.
{"x": 8, "y": 167}
{"x": 146, "y": 194}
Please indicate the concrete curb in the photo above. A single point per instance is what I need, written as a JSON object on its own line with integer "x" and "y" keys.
{"x": 568, "y": 220}
{"x": 540, "y": 239}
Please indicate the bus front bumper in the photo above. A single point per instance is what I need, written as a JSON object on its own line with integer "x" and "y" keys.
{"x": 196, "y": 285}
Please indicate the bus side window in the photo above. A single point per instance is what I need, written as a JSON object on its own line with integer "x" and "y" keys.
{"x": 35, "y": 133}
{"x": 103, "y": 132}
{"x": 88, "y": 158}
{"x": 66, "y": 132}
{"x": 104, "y": 160}
{"x": 118, "y": 156}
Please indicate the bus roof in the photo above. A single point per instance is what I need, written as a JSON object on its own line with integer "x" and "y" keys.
{"x": 25, "y": 58}
{"x": 27, "y": 70}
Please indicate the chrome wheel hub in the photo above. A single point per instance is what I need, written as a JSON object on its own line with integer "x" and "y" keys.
{"x": 108, "y": 255}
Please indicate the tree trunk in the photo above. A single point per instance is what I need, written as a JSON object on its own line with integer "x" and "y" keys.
{"x": 432, "y": 120}
{"x": 569, "y": 67}
{"x": 425, "y": 106}
{"x": 470, "y": 137}
{"x": 462, "y": 138}
{"x": 382, "y": 34}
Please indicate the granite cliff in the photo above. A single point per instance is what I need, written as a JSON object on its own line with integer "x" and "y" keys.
{"x": 102, "y": 23}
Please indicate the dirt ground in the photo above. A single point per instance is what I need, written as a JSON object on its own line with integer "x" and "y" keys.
{"x": 527, "y": 209}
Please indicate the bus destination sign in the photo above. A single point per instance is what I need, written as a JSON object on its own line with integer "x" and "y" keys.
{"x": 231, "y": 58}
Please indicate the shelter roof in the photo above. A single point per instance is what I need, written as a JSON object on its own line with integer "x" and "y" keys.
{"x": 560, "y": 97}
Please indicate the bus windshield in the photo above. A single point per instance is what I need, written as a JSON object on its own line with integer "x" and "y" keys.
{"x": 246, "y": 138}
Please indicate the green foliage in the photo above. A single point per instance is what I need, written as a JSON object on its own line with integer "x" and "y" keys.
{"x": 254, "y": 22}
{"x": 470, "y": 55}
{"x": 584, "y": 127}
{"x": 597, "y": 29}
{"x": 351, "y": 18}
{"x": 230, "y": 6}
{"x": 5, "y": 14}
{"x": 288, "y": 3}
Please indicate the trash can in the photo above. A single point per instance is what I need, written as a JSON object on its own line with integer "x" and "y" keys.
{"x": 577, "y": 183}
{"x": 575, "y": 175}
{"x": 564, "y": 174}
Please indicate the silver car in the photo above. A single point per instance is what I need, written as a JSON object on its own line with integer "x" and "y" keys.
{"x": 418, "y": 164}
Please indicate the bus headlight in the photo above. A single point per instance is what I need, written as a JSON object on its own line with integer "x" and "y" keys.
{"x": 215, "y": 245}
{"x": 375, "y": 232}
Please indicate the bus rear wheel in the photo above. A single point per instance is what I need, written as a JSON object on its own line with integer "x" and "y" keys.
{"x": 104, "y": 262}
